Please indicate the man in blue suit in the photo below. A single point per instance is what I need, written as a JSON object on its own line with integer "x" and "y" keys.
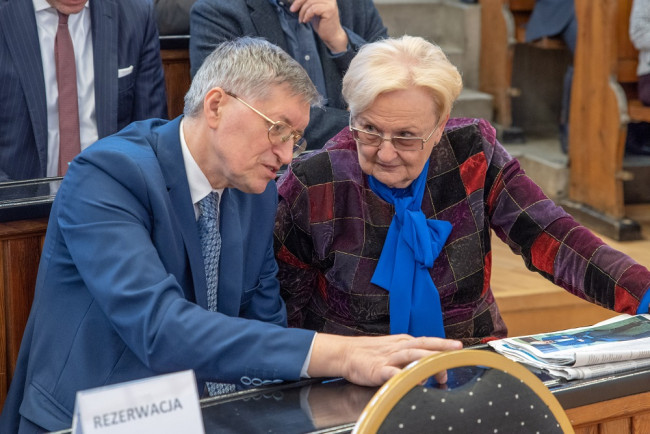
{"x": 322, "y": 35}
{"x": 119, "y": 76}
{"x": 122, "y": 290}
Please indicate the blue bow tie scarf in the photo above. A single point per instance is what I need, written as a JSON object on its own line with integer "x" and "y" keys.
{"x": 411, "y": 246}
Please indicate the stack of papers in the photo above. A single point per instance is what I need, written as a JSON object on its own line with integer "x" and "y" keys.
{"x": 617, "y": 345}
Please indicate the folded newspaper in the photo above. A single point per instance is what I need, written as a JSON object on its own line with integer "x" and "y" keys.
{"x": 613, "y": 346}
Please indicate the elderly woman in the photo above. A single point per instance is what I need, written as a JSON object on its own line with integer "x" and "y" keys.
{"x": 387, "y": 228}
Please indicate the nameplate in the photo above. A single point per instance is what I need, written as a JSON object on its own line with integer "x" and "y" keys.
{"x": 163, "y": 404}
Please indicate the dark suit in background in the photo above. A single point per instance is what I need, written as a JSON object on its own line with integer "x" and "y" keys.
{"x": 173, "y": 16}
{"x": 123, "y": 34}
{"x": 215, "y": 21}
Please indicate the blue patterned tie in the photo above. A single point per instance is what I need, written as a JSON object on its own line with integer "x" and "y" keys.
{"x": 208, "y": 224}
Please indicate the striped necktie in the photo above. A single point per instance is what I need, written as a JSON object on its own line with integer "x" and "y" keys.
{"x": 66, "y": 79}
{"x": 208, "y": 225}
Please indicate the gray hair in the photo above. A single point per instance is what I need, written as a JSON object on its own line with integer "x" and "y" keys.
{"x": 249, "y": 68}
{"x": 397, "y": 64}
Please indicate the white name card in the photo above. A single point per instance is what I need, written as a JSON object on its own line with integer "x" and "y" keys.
{"x": 163, "y": 404}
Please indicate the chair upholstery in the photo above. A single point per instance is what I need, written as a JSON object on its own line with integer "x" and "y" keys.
{"x": 496, "y": 395}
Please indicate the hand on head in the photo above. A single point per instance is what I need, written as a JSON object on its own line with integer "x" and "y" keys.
{"x": 371, "y": 361}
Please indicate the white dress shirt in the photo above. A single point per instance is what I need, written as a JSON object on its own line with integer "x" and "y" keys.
{"x": 47, "y": 21}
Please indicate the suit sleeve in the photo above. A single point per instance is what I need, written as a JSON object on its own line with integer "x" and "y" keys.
{"x": 367, "y": 27}
{"x": 210, "y": 25}
{"x": 150, "y": 99}
{"x": 110, "y": 240}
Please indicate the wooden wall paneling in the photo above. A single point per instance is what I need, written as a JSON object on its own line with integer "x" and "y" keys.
{"x": 641, "y": 423}
{"x": 176, "y": 66}
{"x": 618, "y": 426}
{"x": 592, "y": 429}
{"x": 4, "y": 376}
{"x": 20, "y": 250}
{"x": 620, "y": 414}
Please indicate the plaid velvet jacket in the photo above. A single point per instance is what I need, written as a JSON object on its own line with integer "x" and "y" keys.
{"x": 330, "y": 230}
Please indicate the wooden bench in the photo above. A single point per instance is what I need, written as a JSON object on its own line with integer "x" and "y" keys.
{"x": 503, "y": 24}
{"x": 603, "y": 102}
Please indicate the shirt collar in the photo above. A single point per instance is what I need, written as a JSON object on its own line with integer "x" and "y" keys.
{"x": 282, "y": 5}
{"x": 199, "y": 185}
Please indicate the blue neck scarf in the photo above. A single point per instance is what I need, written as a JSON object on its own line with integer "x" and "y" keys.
{"x": 412, "y": 244}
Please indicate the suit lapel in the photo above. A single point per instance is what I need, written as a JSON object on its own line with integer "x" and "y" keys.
{"x": 104, "y": 23}
{"x": 231, "y": 259}
{"x": 266, "y": 22}
{"x": 18, "y": 23}
{"x": 170, "y": 157}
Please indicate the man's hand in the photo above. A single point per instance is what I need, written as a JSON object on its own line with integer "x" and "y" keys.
{"x": 371, "y": 361}
{"x": 324, "y": 18}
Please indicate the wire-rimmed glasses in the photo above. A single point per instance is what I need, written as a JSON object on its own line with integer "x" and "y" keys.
{"x": 400, "y": 143}
{"x": 279, "y": 133}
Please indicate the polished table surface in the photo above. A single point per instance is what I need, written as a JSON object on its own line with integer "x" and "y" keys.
{"x": 334, "y": 405}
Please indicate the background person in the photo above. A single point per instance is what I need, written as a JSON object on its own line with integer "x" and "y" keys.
{"x": 640, "y": 37}
{"x": 173, "y": 16}
{"x": 322, "y": 35}
{"x": 388, "y": 228}
{"x": 114, "y": 53}
{"x": 130, "y": 284}
{"x": 638, "y": 133}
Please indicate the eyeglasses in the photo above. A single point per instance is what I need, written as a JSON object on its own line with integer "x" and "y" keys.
{"x": 400, "y": 143}
{"x": 279, "y": 133}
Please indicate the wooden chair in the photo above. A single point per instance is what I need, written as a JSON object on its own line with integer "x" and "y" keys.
{"x": 499, "y": 395}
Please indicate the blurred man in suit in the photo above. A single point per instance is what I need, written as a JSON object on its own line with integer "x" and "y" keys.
{"x": 322, "y": 35}
{"x": 113, "y": 49}
{"x": 173, "y": 16}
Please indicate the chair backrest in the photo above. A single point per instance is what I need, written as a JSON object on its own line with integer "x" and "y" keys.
{"x": 496, "y": 395}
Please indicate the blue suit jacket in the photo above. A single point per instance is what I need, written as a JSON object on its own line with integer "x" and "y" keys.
{"x": 121, "y": 290}
{"x": 123, "y": 34}
{"x": 215, "y": 21}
